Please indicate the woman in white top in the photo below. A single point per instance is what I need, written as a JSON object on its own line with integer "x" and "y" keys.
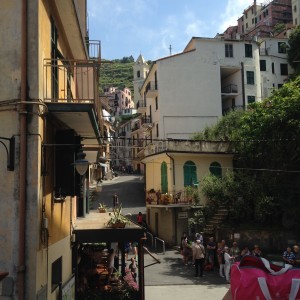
{"x": 228, "y": 260}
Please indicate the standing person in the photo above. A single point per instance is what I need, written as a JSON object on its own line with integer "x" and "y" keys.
{"x": 211, "y": 248}
{"x": 198, "y": 258}
{"x": 228, "y": 260}
{"x": 134, "y": 248}
{"x": 140, "y": 219}
{"x": 132, "y": 268}
{"x": 220, "y": 253}
{"x": 110, "y": 263}
{"x": 115, "y": 200}
{"x": 256, "y": 251}
{"x": 186, "y": 250}
{"x": 235, "y": 251}
{"x": 297, "y": 256}
{"x": 288, "y": 256}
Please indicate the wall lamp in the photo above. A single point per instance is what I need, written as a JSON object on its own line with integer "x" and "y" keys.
{"x": 9, "y": 152}
{"x": 81, "y": 164}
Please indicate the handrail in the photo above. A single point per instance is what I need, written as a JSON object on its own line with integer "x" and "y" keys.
{"x": 152, "y": 237}
{"x": 163, "y": 242}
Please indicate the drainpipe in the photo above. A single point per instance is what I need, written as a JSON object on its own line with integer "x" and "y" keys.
{"x": 23, "y": 154}
{"x": 173, "y": 167}
{"x": 243, "y": 86}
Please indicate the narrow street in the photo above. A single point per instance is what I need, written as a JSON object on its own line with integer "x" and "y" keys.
{"x": 169, "y": 279}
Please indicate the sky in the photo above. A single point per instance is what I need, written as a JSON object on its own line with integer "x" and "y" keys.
{"x": 149, "y": 27}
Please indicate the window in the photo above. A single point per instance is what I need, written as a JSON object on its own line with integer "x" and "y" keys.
{"x": 157, "y": 132}
{"x": 262, "y": 64}
{"x": 281, "y": 47}
{"x": 250, "y": 77}
{"x": 246, "y": 15}
{"x": 138, "y": 74}
{"x": 273, "y": 68}
{"x": 283, "y": 69}
{"x": 250, "y": 99}
{"x": 156, "y": 103}
{"x": 190, "y": 173}
{"x": 246, "y": 25}
{"x": 228, "y": 50}
{"x": 56, "y": 276}
{"x": 215, "y": 169}
{"x": 252, "y": 20}
{"x": 248, "y": 50}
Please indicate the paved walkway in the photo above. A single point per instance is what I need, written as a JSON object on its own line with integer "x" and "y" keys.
{"x": 172, "y": 280}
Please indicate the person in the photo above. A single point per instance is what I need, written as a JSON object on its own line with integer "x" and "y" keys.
{"x": 228, "y": 261}
{"x": 186, "y": 250}
{"x": 199, "y": 236}
{"x": 245, "y": 251}
{"x": 288, "y": 256}
{"x": 296, "y": 262}
{"x": 198, "y": 258}
{"x": 235, "y": 251}
{"x": 140, "y": 218}
{"x": 256, "y": 251}
{"x": 115, "y": 200}
{"x": 134, "y": 248}
{"x": 110, "y": 263}
{"x": 132, "y": 268}
{"x": 127, "y": 247}
{"x": 211, "y": 248}
{"x": 220, "y": 253}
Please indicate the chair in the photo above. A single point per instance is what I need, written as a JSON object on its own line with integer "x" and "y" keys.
{"x": 177, "y": 197}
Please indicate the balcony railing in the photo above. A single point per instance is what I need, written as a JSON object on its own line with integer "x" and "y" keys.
{"x": 94, "y": 49}
{"x": 71, "y": 80}
{"x": 190, "y": 146}
{"x": 141, "y": 104}
{"x": 230, "y": 89}
{"x": 152, "y": 86}
{"x": 146, "y": 120}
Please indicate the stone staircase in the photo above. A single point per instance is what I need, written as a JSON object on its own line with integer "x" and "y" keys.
{"x": 216, "y": 220}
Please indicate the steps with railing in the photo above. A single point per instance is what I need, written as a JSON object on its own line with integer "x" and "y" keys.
{"x": 216, "y": 220}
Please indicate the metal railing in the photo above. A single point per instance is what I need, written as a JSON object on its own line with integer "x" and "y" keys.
{"x": 163, "y": 244}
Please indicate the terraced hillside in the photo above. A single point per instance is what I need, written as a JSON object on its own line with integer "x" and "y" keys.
{"x": 117, "y": 73}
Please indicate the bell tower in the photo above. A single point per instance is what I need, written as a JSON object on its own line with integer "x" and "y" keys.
{"x": 140, "y": 71}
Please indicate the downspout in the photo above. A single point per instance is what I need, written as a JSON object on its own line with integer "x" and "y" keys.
{"x": 243, "y": 86}
{"x": 173, "y": 168}
{"x": 23, "y": 154}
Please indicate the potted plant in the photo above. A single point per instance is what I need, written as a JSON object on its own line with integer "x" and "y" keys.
{"x": 117, "y": 220}
{"x": 102, "y": 208}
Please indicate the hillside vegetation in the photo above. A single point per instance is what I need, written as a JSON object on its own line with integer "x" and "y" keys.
{"x": 117, "y": 73}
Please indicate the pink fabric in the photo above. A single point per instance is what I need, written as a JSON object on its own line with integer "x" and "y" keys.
{"x": 245, "y": 284}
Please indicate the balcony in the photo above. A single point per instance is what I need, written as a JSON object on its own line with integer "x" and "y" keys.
{"x": 147, "y": 122}
{"x": 141, "y": 106}
{"x": 152, "y": 89}
{"x": 229, "y": 91}
{"x": 70, "y": 91}
{"x": 94, "y": 49}
{"x": 188, "y": 146}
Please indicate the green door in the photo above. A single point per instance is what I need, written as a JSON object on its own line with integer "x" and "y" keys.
{"x": 164, "y": 178}
{"x": 190, "y": 173}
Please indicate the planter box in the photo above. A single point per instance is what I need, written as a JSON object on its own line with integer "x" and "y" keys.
{"x": 102, "y": 210}
{"x": 117, "y": 225}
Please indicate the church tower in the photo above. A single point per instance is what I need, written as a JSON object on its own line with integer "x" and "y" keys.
{"x": 140, "y": 71}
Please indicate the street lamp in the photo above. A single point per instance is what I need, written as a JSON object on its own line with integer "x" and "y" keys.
{"x": 81, "y": 164}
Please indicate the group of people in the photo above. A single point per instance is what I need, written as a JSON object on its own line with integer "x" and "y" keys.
{"x": 205, "y": 255}
{"x": 292, "y": 256}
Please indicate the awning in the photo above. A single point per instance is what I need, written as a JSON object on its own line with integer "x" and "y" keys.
{"x": 93, "y": 229}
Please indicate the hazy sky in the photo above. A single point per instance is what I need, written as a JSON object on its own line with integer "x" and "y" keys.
{"x": 149, "y": 27}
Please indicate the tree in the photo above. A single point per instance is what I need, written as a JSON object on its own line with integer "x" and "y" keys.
{"x": 294, "y": 49}
{"x": 265, "y": 183}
